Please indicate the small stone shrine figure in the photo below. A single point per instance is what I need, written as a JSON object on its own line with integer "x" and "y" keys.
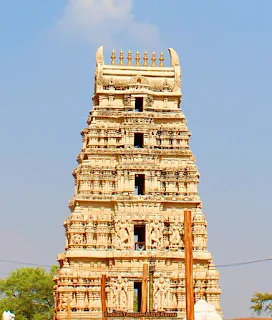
{"x": 120, "y": 290}
{"x": 175, "y": 235}
{"x": 160, "y": 293}
{"x": 122, "y": 233}
{"x": 156, "y": 233}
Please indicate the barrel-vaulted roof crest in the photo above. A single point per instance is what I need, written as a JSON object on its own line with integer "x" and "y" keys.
{"x": 124, "y": 71}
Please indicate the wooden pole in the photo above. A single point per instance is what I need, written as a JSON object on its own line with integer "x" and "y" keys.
{"x": 144, "y": 288}
{"x": 68, "y": 309}
{"x": 188, "y": 242}
{"x": 151, "y": 273}
{"x": 103, "y": 295}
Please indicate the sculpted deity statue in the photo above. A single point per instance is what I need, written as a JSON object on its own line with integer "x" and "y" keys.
{"x": 176, "y": 235}
{"x": 127, "y": 100}
{"x": 120, "y": 291}
{"x": 156, "y": 229}
{"x": 161, "y": 293}
{"x": 7, "y": 315}
{"x": 149, "y": 101}
{"x": 62, "y": 303}
{"x": 122, "y": 233}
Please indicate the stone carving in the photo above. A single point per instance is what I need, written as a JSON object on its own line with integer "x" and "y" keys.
{"x": 127, "y": 100}
{"x": 62, "y": 302}
{"x": 138, "y": 80}
{"x": 111, "y": 230}
{"x": 149, "y": 101}
{"x": 122, "y": 233}
{"x": 156, "y": 229}
{"x": 162, "y": 293}
{"x": 176, "y": 234}
{"x": 77, "y": 238}
{"x": 119, "y": 289}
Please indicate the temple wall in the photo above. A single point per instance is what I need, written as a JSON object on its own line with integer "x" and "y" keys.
{"x": 136, "y": 176}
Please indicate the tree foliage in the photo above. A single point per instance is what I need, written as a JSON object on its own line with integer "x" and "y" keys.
{"x": 28, "y": 292}
{"x": 261, "y": 303}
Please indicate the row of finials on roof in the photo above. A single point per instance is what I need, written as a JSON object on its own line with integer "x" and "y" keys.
{"x": 138, "y": 59}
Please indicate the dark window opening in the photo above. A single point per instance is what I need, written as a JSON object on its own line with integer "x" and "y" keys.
{"x": 137, "y": 299}
{"x": 139, "y": 103}
{"x": 139, "y": 237}
{"x": 138, "y": 140}
{"x": 139, "y": 184}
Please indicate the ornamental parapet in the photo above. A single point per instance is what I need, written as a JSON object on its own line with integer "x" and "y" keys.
{"x": 136, "y": 198}
{"x": 122, "y": 115}
{"x": 143, "y": 255}
{"x": 130, "y": 150}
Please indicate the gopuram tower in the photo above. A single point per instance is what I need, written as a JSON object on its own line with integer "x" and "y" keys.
{"x": 136, "y": 176}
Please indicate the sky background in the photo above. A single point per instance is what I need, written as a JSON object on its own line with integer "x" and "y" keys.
{"x": 47, "y": 61}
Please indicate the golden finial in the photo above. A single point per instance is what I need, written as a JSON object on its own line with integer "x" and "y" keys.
{"x": 113, "y": 56}
{"x": 161, "y": 60}
{"x": 145, "y": 59}
{"x": 129, "y": 58}
{"x": 153, "y": 59}
{"x": 121, "y": 57}
{"x": 137, "y": 58}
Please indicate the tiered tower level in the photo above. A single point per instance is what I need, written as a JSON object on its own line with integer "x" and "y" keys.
{"x": 136, "y": 176}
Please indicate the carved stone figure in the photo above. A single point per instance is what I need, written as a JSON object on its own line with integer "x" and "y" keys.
{"x": 120, "y": 291}
{"x": 156, "y": 228}
{"x": 127, "y": 100}
{"x": 62, "y": 305}
{"x": 162, "y": 293}
{"x": 175, "y": 238}
{"x": 149, "y": 101}
{"x": 122, "y": 233}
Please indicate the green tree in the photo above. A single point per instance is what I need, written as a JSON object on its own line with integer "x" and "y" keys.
{"x": 261, "y": 303}
{"x": 28, "y": 292}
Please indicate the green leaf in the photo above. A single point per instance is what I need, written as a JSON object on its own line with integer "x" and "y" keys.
{"x": 261, "y": 303}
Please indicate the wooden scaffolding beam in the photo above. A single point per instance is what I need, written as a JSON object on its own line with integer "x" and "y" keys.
{"x": 103, "y": 296}
{"x": 189, "y": 282}
{"x": 144, "y": 288}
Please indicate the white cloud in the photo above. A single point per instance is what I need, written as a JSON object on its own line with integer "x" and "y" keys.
{"x": 103, "y": 22}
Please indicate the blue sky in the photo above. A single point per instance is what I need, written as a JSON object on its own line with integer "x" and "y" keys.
{"x": 47, "y": 61}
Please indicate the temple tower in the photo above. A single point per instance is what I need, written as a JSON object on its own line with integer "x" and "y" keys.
{"x": 136, "y": 176}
